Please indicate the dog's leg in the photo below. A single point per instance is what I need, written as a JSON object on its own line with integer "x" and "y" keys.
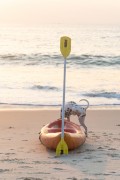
{"x": 61, "y": 113}
{"x": 82, "y": 123}
{"x": 67, "y": 115}
{"x": 68, "y": 118}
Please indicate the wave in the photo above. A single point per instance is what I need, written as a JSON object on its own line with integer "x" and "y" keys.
{"x": 103, "y": 94}
{"x": 96, "y": 60}
{"x": 84, "y": 60}
{"x": 46, "y": 88}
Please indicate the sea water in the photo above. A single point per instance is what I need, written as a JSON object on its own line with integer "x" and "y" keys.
{"x": 31, "y": 65}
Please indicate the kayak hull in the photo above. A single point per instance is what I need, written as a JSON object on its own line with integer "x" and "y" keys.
{"x": 50, "y": 134}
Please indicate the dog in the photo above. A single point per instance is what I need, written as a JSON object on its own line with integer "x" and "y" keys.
{"x": 72, "y": 108}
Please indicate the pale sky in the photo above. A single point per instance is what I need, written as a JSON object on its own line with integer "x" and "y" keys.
{"x": 36, "y": 12}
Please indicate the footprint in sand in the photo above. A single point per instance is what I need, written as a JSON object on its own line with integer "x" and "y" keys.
{"x": 32, "y": 179}
{"x": 112, "y": 149}
{"x": 59, "y": 169}
{"x": 101, "y": 148}
{"x": 4, "y": 170}
{"x": 10, "y": 127}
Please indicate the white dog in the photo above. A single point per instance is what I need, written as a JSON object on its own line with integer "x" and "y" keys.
{"x": 71, "y": 108}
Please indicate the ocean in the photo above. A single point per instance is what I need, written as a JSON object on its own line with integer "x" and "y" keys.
{"x": 31, "y": 65}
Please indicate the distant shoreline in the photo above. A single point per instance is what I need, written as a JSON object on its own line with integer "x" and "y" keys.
{"x": 55, "y": 107}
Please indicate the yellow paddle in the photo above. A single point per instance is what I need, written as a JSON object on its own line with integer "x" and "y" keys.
{"x": 65, "y": 48}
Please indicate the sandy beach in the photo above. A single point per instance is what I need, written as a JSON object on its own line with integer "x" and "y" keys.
{"x": 53, "y": 52}
{"x": 23, "y": 157}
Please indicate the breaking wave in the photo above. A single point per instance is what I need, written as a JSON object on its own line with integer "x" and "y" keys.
{"x": 45, "y": 88}
{"x": 103, "y": 94}
{"x": 84, "y": 60}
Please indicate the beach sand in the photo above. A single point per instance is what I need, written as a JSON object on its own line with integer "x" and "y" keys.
{"x": 23, "y": 157}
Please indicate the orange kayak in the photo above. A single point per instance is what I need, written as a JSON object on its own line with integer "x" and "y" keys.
{"x": 50, "y": 134}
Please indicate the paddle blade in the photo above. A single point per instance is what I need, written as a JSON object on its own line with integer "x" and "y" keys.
{"x": 65, "y": 46}
{"x": 62, "y": 147}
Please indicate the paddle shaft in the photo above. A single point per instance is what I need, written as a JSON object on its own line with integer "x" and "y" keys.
{"x": 63, "y": 105}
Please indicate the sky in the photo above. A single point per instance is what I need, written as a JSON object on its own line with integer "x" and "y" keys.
{"x": 36, "y": 12}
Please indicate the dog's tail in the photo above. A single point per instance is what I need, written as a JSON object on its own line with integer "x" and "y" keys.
{"x": 86, "y": 106}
